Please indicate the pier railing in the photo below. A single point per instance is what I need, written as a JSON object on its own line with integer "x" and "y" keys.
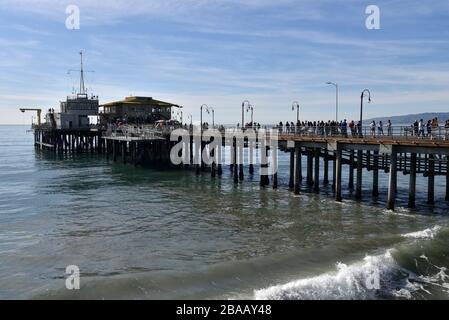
{"x": 402, "y": 132}
{"x": 397, "y": 132}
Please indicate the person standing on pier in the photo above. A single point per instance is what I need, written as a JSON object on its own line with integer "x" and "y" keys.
{"x": 421, "y": 128}
{"x": 344, "y": 128}
{"x": 429, "y": 128}
{"x": 380, "y": 128}
{"x": 373, "y": 128}
{"x": 389, "y": 128}
{"x": 434, "y": 127}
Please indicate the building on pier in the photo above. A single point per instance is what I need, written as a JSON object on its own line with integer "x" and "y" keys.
{"x": 138, "y": 110}
{"x": 75, "y": 110}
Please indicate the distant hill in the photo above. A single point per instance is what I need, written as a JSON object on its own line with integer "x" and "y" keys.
{"x": 410, "y": 118}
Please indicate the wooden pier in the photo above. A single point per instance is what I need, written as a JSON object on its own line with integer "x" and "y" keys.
{"x": 409, "y": 155}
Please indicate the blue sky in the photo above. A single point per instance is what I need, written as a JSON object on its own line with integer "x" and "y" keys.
{"x": 221, "y": 52}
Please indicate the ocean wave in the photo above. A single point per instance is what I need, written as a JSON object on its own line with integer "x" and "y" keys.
{"x": 357, "y": 281}
{"x": 429, "y": 233}
{"x": 375, "y": 277}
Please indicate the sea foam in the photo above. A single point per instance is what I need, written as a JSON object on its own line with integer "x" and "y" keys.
{"x": 356, "y": 281}
{"x": 429, "y": 233}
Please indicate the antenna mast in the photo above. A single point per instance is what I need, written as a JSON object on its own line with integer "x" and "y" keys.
{"x": 82, "y": 88}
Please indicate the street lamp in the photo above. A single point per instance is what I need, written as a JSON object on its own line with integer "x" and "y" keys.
{"x": 213, "y": 117}
{"x": 243, "y": 112}
{"x": 201, "y": 117}
{"x": 251, "y": 108}
{"x": 365, "y": 93}
{"x": 336, "y": 98}
{"x": 296, "y": 104}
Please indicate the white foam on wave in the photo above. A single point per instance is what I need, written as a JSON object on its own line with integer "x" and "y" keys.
{"x": 429, "y": 233}
{"x": 356, "y": 281}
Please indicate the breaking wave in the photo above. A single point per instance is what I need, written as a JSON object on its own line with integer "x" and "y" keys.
{"x": 406, "y": 272}
{"x": 424, "y": 234}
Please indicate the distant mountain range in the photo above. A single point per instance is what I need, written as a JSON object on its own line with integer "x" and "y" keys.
{"x": 410, "y": 118}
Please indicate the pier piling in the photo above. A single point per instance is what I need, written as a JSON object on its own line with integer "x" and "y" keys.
{"x": 376, "y": 174}
{"x": 358, "y": 193}
{"x": 298, "y": 168}
{"x": 412, "y": 181}
{"x": 392, "y": 182}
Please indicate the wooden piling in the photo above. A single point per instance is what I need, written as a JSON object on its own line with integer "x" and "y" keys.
{"x": 326, "y": 168}
{"x": 291, "y": 183}
{"x": 351, "y": 169}
{"x": 358, "y": 192}
{"x": 431, "y": 180}
{"x": 274, "y": 167}
{"x": 376, "y": 174}
{"x": 316, "y": 186}
{"x": 412, "y": 182}
{"x": 264, "y": 180}
{"x": 298, "y": 169}
{"x": 309, "y": 168}
{"x": 334, "y": 171}
{"x": 447, "y": 177}
{"x": 338, "y": 173}
{"x": 235, "y": 166}
{"x": 392, "y": 182}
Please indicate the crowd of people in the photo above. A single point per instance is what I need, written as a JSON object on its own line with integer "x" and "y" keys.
{"x": 430, "y": 128}
{"x": 327, "y": 128}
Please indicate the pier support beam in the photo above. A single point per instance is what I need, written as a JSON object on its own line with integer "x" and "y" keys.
{"x": 124, "y": 152}
{"x": 412, "y": 182}
{"x": 241, "y": 160}
{"x": 114, "y": 150}
{"x": 316, "y": 185}
{"x": 447, "y": 177}
{"x": 351, "y": 170}
{"x": 219, "y": 159}
{"x": 213, "y": 168}
{"x": 392, "y": 182}
{"x": 291, "y": 182}
{"x": 376, "y": 174}
{"x": 251, "y": 148}
{"x": 338, "y": 173}
{"x": 326, "y": 168}
{"x": 358, "y": 190}
{"x": 309, "y": 168}
{"x": 334, "y": 171}
{"x": 274, "y": 167}
{"x": 431, "y": 180}
{"x": 264, "y": 180}
{"x": 191, "y": 150}
{"x": 234, "y": 161}
{"x": 198, "y": 159}
{"x": 298, "y": 167}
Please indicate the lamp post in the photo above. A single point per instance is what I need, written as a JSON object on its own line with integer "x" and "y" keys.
{"x": 336, "y": 98}
{"x": 191, "y": 119}
{"x": 201, "y": 117}
{"x": 248, "y": 109}
{"x": 243, "y": 111}
{"x": 365, "y": 93}
{"x": 213, "y": 117}
{"x": 296, "y": 104}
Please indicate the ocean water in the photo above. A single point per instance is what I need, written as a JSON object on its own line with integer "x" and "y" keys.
{"x": 141, "y": 233}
